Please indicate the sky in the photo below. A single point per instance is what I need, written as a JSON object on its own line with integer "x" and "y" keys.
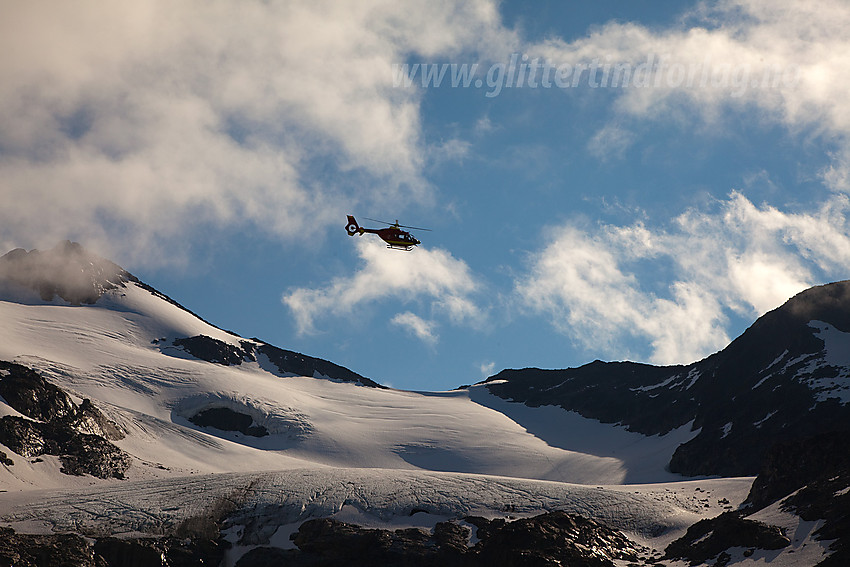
{"x": 611, "y": 180}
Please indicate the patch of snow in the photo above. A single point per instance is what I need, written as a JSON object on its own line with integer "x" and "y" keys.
{"x": 765, "y": 418}
{"x": 836, "y": 343}
{"x": 762, "y": 381}
{"x": 655, "y": 386}
{"x": 804, "y": 549}
{"x": 694, "y": 375}
{"x": 777, "y": 359}
{"x": 726, "y": 430}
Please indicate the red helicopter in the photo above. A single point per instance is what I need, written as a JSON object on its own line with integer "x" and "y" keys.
{"x": 393, "y": 235}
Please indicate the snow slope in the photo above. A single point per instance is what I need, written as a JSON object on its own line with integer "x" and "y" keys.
{"x": 107, "y": 352}
{"x": 333, "y": 448}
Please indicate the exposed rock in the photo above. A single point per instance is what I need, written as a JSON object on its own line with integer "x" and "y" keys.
{"x": 226, "y": 419}
{"x": 214, "y": 350}
{"x": 827, "y": 499}
{"x": 815, "y": 472}
{"x": 289, "y": 362}
{"x": 66, "y": 550}
{"x": 286, "y": 361}
{"x": 555, "y": 538}
{"x": 58, "y": 550}
{"x": 791, "y": 465}
{"x": 80, "y": 453}
{"x": 28, "y": 392}
{"x": 709, "y": 538}
{"x": 157, "y": 552}
{"x": 55, "y": 425}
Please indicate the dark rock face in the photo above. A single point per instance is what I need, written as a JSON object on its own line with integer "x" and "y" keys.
{"x": 710, "y": 538}
{"x": 66, "y": 550}
{"x": 78, "y": 434}
{"x": 226, "y": 419}
{"x": 67, "y": 270}
{"x": 156, "y": 552}
{"x": 289, "y": 362}
{"x": 766, "y": 386}
{"x": 26, "y": 391}
{"x": 817, "y": 472}
{"x": 59, "y": 550}
{"x": 286, "y": 361}
{"x": 555, "y": 538}
{"x": 214, "y": 350}
{"x": 792, "y": 465}
{"x": 552, "y": 539}
{"x": 827, "y": 499}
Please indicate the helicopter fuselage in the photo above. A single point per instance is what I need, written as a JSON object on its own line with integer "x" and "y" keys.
{"x": 393, "y": 235}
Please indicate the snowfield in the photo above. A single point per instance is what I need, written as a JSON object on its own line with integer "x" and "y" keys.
{"x": 381, "y": 456}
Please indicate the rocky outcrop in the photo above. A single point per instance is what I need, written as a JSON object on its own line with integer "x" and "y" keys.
{"x": 813, "y": 477}
{"x": 711, "y": 538}
{"x": 286, "y": 361}
{"x": 791, "y": 465}
{"x": 55, "y": 425}
{"x": 216, "y": 351}
{"x": 226, "y": 419}
{"x": 57, "y": 550}
{"x": 289, "y": 362}
{"x": 65, "y": 550}
{"x": 157, "y": 552}
{"x": 554, "y": 538}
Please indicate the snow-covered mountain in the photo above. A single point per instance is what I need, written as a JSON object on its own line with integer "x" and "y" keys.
{"x": 124, "y": 414}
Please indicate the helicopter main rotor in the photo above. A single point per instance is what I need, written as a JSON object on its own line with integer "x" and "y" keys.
{"x": 398, "y": 225}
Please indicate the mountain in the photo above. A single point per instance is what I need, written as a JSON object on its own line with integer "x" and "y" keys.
{"x": 785, "y": 378}
{"x": 132, "y": 430}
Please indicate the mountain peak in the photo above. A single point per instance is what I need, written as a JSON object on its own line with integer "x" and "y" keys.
{"x": 829, "y": 303}
{"x": 67, "y": 270}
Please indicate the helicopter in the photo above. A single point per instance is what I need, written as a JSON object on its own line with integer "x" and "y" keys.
{"x": 393, "y": 235}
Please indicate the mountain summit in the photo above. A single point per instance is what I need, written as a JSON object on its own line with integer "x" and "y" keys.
{"x": 66, "y": 270}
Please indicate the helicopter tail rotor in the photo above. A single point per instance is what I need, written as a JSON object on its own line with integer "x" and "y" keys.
{"x": 352, "y": 227}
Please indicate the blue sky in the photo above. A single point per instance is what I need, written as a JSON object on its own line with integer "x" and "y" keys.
{"x": 686, "y": 172}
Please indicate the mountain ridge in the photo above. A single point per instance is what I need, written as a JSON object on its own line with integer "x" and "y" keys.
{"x": 776, "y": 380}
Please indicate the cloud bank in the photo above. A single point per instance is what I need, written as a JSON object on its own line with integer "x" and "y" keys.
{"x": 129, "y": 125}
{"x": 740, "y": 258}
{"x": 441, "y": 283}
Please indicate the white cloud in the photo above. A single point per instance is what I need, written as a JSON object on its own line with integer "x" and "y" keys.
{"x": 432, "y": 276}
{"x": 417, "y": 326}
{"x": 782, "y": 62}
{"x": 739, "y": 258}
{"x": 611, "y": 141}
{"x": 487, "y": 369}
{"x": 787, "y": 62}
{"x": 131, "y": 125}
